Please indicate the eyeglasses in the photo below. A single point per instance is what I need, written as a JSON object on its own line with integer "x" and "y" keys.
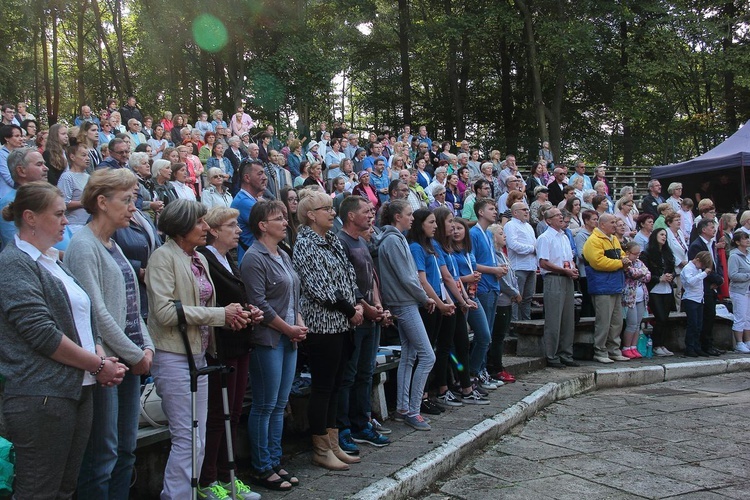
{"x": 280, "y": 218}
{"x": 232, "y": 225}
{"x": 523, "y": 209}
{"x": 327, "y": 208}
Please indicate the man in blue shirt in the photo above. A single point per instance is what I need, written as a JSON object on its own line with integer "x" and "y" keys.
{"x": 488, "y": 288}
{"x": 376, "y": 152}
{"x": 253, "y": 184}
{"x": 381, "y": 179}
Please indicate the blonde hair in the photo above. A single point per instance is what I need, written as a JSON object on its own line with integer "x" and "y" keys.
{"x": 309, "y": 200}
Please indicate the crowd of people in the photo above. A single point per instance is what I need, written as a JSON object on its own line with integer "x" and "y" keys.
{"x": 314, "y": 248}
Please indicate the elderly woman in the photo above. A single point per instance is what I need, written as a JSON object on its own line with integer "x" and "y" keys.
{"x": 139, "y": 163}
{"x": 161, "y": 173}
{"x": 179, "y": 182}
{"x": 587, "y": 200}
{"x": 51, "y": 350}
{"x": 330, "y": 311}
{"x": 72, "y": 182}
{"x": 366, "y": 190}
{"x": 177, "y": 272}
{"x": 624, "y": 208}
{"x": 675, "y": 195}
{"x": 216, "y": 195}
{"x": 273, "y": 284}
{"x": 232, "y": 351}
{"x": 438, "y": 193}
{"x": 99, "y": 264}
{"x": 739, "y": 284}
{"x": 495, "y": 190}
{"x": 627, "y": 192}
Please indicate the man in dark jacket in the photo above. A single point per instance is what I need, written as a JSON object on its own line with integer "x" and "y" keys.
{"x": 651, "y": 201}
{"x": 706, "y": 242}
{"x": 131, "y": 110}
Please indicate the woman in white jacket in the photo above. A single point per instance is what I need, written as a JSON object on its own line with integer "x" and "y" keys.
{"x": 677, "y": 243}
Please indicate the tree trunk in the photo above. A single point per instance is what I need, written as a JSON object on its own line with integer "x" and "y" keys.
{"x": 116, "y": 8}
{"x": 103, "y": 41}
{"x": 80, "y": 65}
{"x": 536, "y": 81}
{"x": 54, "y": 110}
{"x": 404, "y": 27}
{"x": 205, "y": 98}
{"x": 456, "y": 108}
{"x": 51, "y": 119}
{"x": 729, "y": 12}
{"x": 627, "y": 135}
{"x": 506, "y": 97}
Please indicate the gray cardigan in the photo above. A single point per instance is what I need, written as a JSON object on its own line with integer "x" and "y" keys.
{"x": 91, "y": 263}
{"x": 36, "y": 313}
{"x": 265, "y": 287}
{"x": 738, "y": 272}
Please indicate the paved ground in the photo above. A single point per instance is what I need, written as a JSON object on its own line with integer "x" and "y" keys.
{"x": 682, "y": 439}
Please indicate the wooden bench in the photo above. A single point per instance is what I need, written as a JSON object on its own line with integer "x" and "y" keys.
{"x": 149, "y": 435}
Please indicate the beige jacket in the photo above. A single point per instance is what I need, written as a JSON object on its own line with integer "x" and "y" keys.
{"x": 169, "y": 278}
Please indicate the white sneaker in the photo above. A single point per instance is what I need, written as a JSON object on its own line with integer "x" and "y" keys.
{"x": 486, "y": 382}
{"x": 747, "y": 344}
{"x": 663, "y": 352}
{"x": 742, "y": 348}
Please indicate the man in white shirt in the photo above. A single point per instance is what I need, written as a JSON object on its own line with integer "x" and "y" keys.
{"x": 521, "y": 245}
{"x": 558, "y": 270}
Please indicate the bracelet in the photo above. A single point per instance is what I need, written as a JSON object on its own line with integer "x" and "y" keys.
{"x": 101, "y": 367}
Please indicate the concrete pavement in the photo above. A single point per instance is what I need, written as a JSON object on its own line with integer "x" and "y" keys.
{"x": 679, "y": 439}
{"x": 416, "y": 460}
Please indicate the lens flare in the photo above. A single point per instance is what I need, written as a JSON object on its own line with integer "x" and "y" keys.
{"x": 210, "y": 33}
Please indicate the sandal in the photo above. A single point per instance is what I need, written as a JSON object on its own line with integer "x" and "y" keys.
{"x": 286, "y": 476}
{"x": 280, "y": 484}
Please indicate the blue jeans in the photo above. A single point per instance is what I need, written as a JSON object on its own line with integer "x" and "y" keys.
{"x": 489, "y": 304}
{"x": 356, "y": 383}
{"x": 414, "y": 345}
{"x": 478, "y": 322}
{"x": 271, "y": 377}
{"x": 694, "y": 312}
{"x": 107, "y": 468}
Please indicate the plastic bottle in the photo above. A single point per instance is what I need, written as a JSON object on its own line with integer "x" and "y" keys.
{"x": 649, "y": 347}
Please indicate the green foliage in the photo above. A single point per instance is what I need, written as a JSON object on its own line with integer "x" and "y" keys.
{"x": 639, "y": 81}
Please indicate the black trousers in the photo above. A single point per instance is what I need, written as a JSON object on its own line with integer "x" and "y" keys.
{"x": 709, "y": 315}
{"x": 327, "y": 357}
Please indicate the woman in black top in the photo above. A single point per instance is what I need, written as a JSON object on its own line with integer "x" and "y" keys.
{"x": 659, "y": 259}
{"x": 232, "y": 347}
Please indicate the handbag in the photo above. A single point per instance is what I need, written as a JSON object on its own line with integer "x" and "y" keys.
{"x": 151, "y": 411}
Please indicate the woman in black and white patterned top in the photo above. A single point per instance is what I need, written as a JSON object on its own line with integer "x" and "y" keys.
{"x": 329, "y": 310}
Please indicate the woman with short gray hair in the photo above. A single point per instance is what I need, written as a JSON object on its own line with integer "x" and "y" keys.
{"x": 177, "y": 272}
{"x": 675, "y": 198}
